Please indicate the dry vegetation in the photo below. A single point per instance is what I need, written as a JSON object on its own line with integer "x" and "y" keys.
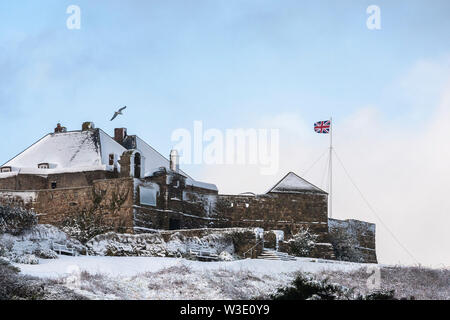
{"x": 179, "y": 282}
{"x": 407, "y": 282}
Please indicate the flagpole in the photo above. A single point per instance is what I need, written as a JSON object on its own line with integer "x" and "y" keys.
{"x": 331, "y": 169}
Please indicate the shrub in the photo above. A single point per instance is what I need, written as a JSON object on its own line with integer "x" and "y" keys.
{"x": 306, "y": 288}
{"x": 225, "y": 256}
{"x": 244, "y": 241}
{"x": 45, "y": 253}
{"x": 345, "y": 245}
{"x": 15, "y": 286}
{"x": 6, "y": 246}
{"x": 85, "y": 225}
{"x": 16, "y": 220}
{"x": 26, "y": 259}
{"x": 302, "y": 243}
{"x": 380, "y": 295}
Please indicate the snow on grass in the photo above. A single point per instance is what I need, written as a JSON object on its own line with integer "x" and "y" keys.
{"x": 129, "y": 266}
{"x": 176, "y": 278}
{"x": 99, "y": 277}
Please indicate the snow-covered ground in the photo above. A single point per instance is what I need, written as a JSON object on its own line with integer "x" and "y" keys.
{"x": 97, "y": 277}
{"x": 130, "y": 266}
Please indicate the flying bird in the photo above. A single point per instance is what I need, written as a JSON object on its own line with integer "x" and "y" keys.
{"x": 117, "y": 113}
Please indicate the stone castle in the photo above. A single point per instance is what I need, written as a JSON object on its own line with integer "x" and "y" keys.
{"x": 137, "y": 190}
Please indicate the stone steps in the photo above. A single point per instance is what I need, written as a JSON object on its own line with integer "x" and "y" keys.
{"x": 269, "y": 254}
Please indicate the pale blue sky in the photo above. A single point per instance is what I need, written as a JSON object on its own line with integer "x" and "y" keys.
{"x": 222, "y": 62}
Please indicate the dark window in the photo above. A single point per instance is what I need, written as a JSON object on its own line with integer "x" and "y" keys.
{"x": 54, "y": 185}
{"x": 137, "y": 165}
{"x": 174, "y": 224}
{"x": 111, "y": 159}
{"x": 5, "y": 169}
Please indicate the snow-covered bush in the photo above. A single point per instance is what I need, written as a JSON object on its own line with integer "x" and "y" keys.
{"x": 37, "y": 241}
{"x": 15, "y": 286}
{"x": 217, "y": 241}
{"x": 118, "y": 244}
{"x": 45, "y": 253}
{"x": 6, "y": 245}
{"x": 15, "y": 220}
{"x": 26, "y": 259}
{"x": 379, "y": 295}
{"x": 305, "y": 287}
{"x": 154, "y": 245}
{"x": 85, "y": 225}
{"x": 244, "y": 240}
{"x": 302, "y": 243}
{"x": 3, "y": 251}
{"x": 225, "y": 256}
{"x": 345, "y": 245}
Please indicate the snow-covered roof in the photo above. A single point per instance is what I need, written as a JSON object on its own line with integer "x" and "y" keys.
{"x": 153, "y": 159}
{"x": 67, "y": 151}
{"x": 203, "y": 185}
{"x": 292, "y": 183}
{"x": 84, "y": 150}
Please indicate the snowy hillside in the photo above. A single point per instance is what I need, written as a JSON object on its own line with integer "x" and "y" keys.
{"x": 175, "y": 278}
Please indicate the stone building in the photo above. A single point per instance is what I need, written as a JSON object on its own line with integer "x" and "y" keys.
{"x": 136, "y": 189}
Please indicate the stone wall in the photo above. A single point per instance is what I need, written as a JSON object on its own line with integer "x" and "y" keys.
{"x": 245, "y": 241}
{"x": 21, "y": 199}
{"x": 112, "y": 198}
{"x": 178, "y": 206}
{"x": 286, "y": 212}
{"x": 353, "y": 240}
{"x": 61, "y": 180}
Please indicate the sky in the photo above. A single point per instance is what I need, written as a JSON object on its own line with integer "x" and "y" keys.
{"x": 255, "y": 64}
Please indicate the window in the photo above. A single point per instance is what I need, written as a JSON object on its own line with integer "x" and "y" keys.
{"x": 43, "y": 166}
{"x": 53, "y": 185}
{"x": 5, "y": 169}
{"x": 148, "y": 196}
{"x": 137, "y": 165}
{"x": 111, "y": 159}
{"x": 174, "y": 224}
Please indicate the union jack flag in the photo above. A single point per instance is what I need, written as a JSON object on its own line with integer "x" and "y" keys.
{"x": 322, "y": 126}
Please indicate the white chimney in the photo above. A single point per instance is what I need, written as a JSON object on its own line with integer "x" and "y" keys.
{"x": 174, "y": 160}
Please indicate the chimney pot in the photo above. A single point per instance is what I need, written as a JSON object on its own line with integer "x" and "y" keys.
{"x": 174, "y": 166}
{"x": 87, "y": 126}
{"x": 59, "y": 128}
{"x": 120, "y": 134}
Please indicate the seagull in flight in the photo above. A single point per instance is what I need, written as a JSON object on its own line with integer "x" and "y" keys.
{"x": 117, "y": 113}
